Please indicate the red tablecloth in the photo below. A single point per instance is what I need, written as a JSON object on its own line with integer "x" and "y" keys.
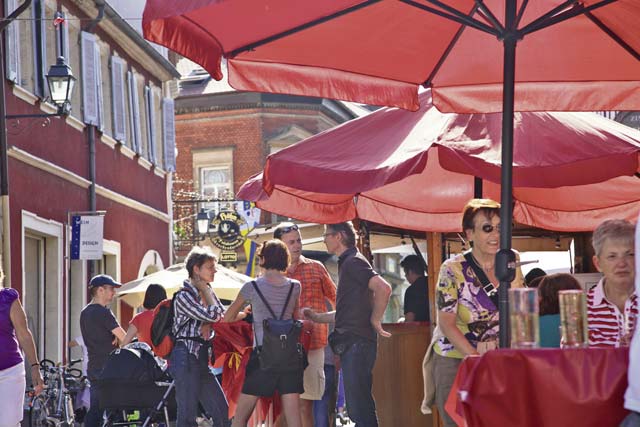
{"x": 545, "y": 387}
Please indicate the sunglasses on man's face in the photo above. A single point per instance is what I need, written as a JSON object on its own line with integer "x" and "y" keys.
{"x": 488, "y": 228}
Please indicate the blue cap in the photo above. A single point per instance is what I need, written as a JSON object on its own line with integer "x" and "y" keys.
{"x": 103, "y": 280}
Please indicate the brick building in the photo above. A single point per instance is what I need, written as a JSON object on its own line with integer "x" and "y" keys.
{"x": 224, "y": 137}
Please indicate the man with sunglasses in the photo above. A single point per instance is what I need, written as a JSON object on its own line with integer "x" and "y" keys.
{"x": 362, "y": 299}
{"x": 316, "y": 289}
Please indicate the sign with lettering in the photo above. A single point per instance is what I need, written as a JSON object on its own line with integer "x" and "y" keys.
{"x": 86, "y": 236}
{"x": 226, "y": 256}
{"x": 228, "y": 235}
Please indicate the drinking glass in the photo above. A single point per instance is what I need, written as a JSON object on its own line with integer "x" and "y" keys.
{"x": 523, "y": 313}
{"x": 573, "y": 319}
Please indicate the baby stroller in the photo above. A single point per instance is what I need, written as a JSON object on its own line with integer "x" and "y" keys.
{"x": 134, "y": 390}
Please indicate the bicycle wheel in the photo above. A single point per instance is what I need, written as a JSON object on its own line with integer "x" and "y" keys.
{"x": 38, "y": 413}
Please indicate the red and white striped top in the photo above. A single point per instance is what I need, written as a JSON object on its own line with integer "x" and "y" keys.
{"x": 606, "y": 322}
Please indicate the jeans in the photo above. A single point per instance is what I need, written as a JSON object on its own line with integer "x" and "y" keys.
{"x": 357, "y": 369}
{"x": 195, "y": 383}
{"x": 321, "y": 407}
{"x": 94, "y": 414}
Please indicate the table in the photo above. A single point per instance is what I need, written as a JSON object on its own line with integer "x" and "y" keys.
{"x": 543, "y": 387}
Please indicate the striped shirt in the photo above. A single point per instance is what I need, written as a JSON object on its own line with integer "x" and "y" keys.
{"x": 190, "y": 313}
{"x": 606, "y": 322}
{"x": 317, "y": 288}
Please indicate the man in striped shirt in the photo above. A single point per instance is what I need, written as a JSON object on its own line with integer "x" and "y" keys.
{"x": 194, "y": 305}
{"x": 316, "y": 289}
{"x": 612, "y": 305}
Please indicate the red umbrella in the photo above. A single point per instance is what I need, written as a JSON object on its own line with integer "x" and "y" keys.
{"x": 433, "y": 200}
{"x": 572, "y": 55}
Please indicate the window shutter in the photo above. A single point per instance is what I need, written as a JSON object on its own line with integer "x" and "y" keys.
{"x": 89, "y": 92}
{"x": 99, "y": 97}
{"x": 117, "y": 97}
{"x": 62, "y": 37}
{"x": 39, "y": 47}
{"x": 12, "y": 44}
{"x": 169, "y": 134}
{"x": 134, "y": 108}
{"x": 151, "y": 123}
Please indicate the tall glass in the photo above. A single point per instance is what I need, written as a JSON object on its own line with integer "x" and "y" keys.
{"x": 573, "y": 319}
{"x": 523, "y": 313}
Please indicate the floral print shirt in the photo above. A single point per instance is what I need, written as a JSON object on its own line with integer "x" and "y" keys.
{"x": 460, "y": 292}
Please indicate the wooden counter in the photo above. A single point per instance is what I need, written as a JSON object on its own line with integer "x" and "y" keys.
{"x": 397, "y": 375}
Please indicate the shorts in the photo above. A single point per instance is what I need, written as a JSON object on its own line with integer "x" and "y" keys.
{"x": 314, "y": 376}
{"x": 265, "y": 383}
{"x": 12, "y": 388}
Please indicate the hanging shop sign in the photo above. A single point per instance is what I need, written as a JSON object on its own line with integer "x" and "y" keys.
{"x": 228, "y": 236}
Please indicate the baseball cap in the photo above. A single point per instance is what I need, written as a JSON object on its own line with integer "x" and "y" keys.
{"x": 103, "y": 280}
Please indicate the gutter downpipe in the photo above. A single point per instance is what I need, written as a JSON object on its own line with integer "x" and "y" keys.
{"x": 4, "y": 159}
{"x": 90, "y": 28}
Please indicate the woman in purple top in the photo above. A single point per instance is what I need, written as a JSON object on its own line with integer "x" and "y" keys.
{"x": 15, "y": 334}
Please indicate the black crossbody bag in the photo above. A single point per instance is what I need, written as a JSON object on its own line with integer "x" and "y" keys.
{"x": 489, "y": 288}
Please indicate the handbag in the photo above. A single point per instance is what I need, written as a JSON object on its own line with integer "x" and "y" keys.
{"x": 341, "y": 341}
{"x": 428, "y": 374}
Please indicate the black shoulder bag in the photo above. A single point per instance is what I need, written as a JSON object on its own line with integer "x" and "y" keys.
{"x": 489, "y": 288}
{"x": 280, "y": 350}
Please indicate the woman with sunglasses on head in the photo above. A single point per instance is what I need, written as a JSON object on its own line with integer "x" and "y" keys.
{"x": 467, "y": 298}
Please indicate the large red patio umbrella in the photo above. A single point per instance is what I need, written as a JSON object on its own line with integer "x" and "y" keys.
{"x": 416, "y": 170}
{"x": 572, "y": 55}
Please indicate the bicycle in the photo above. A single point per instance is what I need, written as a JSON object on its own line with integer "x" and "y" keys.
{"x": 54, "y": 406}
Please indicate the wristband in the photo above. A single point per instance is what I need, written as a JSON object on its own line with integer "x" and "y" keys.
{"x": 35, "y": 364}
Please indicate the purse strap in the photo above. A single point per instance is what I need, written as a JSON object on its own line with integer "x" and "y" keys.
{"x": 488, "y": 287}
{"x": 286, "y": 303}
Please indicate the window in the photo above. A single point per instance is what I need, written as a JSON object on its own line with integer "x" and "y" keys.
{"x": 40, "y": 48}
{"x": 134, "y": 113}
{"x": 215, "y": 182}
{"x": 150, "y": 122}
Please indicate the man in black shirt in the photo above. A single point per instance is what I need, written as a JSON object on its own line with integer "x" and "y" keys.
{"x": 101, "y": 334}
{"x": 361, "y": 300}
{"x": 416, "y": 297}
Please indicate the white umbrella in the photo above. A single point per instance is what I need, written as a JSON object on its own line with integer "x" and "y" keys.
{"x": 226, "y": 283}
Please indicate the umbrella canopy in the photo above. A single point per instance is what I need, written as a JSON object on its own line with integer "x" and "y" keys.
{"x": 226, "y": 283}
{"x": 433, "y": 201}
{"x": 550, "y": 150}
{"x": 379, "y": 51}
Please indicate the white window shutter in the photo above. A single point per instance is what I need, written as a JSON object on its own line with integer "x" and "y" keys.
{"x": 89, "y": 92}
{"x": 117, "y": 97}
{"x": 151, "y": 123}
{"x": 40, "y": 48}
{"x": 169, "y": 134}
{"x": 99, "y": 98}
{"x": 134, "y": 108}
{"x": 12, "y": 44}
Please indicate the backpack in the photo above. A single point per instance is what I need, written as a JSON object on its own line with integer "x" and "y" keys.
{"x": 280, "y": 350}
{"x": 162, "y": 338}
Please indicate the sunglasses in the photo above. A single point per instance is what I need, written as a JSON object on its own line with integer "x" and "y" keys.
{"x": 284, "y": 230}
{"x": 488, "y": 228}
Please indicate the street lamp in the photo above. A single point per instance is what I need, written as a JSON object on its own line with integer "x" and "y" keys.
{"x": 202, "y": 219}
{"x": 61, "y": 83}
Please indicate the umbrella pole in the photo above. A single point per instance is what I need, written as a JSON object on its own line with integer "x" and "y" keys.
{"x": 505, "y": 258}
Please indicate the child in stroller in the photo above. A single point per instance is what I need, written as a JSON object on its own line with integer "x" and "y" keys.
{"x": 134, "y": 389}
